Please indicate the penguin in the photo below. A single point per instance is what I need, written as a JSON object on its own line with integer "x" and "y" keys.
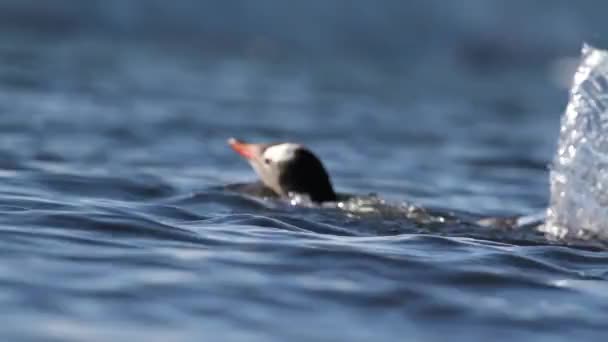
{"x": 287, "y": 169}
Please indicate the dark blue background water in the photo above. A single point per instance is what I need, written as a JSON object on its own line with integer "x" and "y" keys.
{"x": 115, "y": 225}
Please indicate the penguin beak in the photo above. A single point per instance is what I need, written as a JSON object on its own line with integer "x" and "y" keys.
{"x": 247, "y": 151}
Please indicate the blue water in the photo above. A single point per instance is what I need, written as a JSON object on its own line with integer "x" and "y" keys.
{"x": 115, "y": 223}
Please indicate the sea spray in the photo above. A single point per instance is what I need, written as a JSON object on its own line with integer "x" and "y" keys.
{"x": 579, "y": 175}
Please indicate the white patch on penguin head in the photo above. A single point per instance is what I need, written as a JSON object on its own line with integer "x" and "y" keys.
{"x": 281, "y": 152}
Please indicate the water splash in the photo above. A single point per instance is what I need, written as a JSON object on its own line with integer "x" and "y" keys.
{"x": 579, "y": 175}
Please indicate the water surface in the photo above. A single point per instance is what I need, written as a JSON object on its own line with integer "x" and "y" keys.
{"x": 115, "y": 224}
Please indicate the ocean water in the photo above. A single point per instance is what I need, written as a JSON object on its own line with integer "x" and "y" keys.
{"x": 115, "y": 220}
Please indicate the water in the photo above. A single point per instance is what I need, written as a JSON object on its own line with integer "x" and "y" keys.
{"x": 116, "y": 225}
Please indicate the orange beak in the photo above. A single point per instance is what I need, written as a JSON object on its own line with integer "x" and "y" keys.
{"x": 248, "y": 151}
